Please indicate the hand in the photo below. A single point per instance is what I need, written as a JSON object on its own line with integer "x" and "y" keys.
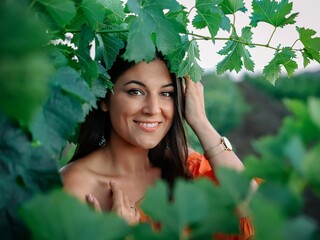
{"x": 93, "y": 202}
{"x": 122, "y": 206}
{"x": 194, "y": 106}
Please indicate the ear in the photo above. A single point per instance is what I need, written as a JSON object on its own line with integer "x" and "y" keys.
{"x": 104, "y": 106}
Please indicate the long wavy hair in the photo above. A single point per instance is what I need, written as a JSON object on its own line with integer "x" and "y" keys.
{"x": 169, "y": 155}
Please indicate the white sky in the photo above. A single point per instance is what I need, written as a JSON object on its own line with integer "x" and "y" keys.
{"x": 308, "y": 17}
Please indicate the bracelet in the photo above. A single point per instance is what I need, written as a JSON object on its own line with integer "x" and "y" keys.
{"x": 225, "y": 145}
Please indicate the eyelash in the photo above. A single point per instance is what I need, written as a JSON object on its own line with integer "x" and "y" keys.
{"x": 137, "y": 92}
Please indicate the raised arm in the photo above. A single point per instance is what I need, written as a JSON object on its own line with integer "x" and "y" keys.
{"x": 209, "y": 138}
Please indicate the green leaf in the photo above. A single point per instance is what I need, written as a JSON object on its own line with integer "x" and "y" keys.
{"x": 189, "y": 212}
{"x": 283, "y": 58}
{"x": 62, "y": 111}
{"x": 89, "y": 68}
{"x": 110, "y": 46}
{"x": 61, "y": 11}
{"x": 311, "y": 45}
{"x": 156, "y": 202}
{"x": 69, "y": 80}
{"x": 301, "y": 227}
{"x": 268, "y": 219}
{"x": 190, "y": 64}
{"x": 93, "y": 11}
{"x": 42, "y": 212}
{"x": 24, "y": 171}
{"x": 177, "y": 55}
{"x": 237, "y": 53}
{"x": 272, "y": 12}
{"x": 114, "y": 10}
{"x": 232, "y": 6}
{"x": 151, "y": 20}
{"x": 295, "y": 152}
{"x": 313, "y": 107}
{"x": 311, "y": 167}
{"x": 208, "y": 15}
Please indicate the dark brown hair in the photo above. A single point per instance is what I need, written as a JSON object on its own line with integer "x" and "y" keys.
{"x": 169, "y": 155}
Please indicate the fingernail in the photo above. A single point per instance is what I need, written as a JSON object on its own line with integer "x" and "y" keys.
{"x": 89, "y": 198}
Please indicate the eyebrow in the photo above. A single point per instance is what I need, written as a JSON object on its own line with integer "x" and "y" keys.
{"x": 143, "y": 85}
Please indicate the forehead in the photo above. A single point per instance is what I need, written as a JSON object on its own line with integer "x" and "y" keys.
{"x": 155, "y": 72}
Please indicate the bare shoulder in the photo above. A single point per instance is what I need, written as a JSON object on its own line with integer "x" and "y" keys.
{"x": 74, "y": 177}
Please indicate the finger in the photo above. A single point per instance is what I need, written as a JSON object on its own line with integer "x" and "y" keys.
{"x": 117, "y": 196}
{"x": 93, "y": 202}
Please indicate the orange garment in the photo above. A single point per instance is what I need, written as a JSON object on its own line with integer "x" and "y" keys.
{"x": 199, "y": 166}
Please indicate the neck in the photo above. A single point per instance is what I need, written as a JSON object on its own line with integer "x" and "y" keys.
{"x": 127, "y": 159}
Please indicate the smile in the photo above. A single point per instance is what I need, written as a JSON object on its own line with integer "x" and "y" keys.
{"x": 148, "y": 125}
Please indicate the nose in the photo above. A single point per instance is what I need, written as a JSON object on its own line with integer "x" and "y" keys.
{"x": 152, "y": 105}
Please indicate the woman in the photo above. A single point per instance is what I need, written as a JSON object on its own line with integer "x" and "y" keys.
{"x": 140, "y": 125}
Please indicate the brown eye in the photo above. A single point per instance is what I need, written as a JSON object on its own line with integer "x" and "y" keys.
{"x": 135, "y": 92}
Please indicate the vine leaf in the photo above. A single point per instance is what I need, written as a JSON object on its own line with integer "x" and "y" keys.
{"x": 109, "y": 48}
{"x": 272, "y": 12}
{"x": 93, "y": 11}
{"x": 311, "y": 45}
{"x": 190, "y": 64}
{"x": 208, "y": 15}
{"x": 237, "y": 53}
{"x": 89, "y": 68}
{"x": 54, "y": 206}
{"x": 114, "y": 10}
{"x": 232, "y": 6}
{"x": 62, "y": 111}
{"x": 285, "y": 58}
{"x": 61, "y": 11}
{"x": 150, "y": 19}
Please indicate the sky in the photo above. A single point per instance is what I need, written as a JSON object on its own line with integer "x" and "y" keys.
{"x": 308, "y": 17}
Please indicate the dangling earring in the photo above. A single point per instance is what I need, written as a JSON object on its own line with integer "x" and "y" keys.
{"x": 103, "y": 141}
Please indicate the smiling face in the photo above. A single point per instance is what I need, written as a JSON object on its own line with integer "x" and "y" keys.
{"x": 142, "y": 107}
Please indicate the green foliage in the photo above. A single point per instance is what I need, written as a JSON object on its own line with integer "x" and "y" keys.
{"x": 237, "y": 54}
{"x": 300, "y": 86}
{"x": 49, "y": 81}
{"x": 272, "y": 12}
{"x": 289, "y": 163}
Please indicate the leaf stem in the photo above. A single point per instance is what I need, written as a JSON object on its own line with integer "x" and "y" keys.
{"x": 274, "y": 30}
{"x": 190, "y": 11}
{"x": 295, "y": 43}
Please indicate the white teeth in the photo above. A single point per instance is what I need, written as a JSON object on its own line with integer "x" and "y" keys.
{"x": 148, "y": 125}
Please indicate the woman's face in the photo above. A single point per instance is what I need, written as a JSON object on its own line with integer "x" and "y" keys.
{"x": 142, "y": 107}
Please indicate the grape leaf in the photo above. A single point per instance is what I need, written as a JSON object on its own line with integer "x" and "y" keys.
{"x": 61, "y": 11}
{"x": 208, "y": 15}
{"x": 89, "y": 68}
{"x": 62, "y": 111}
{"x": 114, "y": 10}
{"x": 272, "y": 12}
{"x": 232, "y": 6}
{"x": 177, "y": 55}
{"x": 93, "y": 11}
{"x": 151, "y": 20}
{"x": 110, "y": 46}
{"x": 25, "y": 170}
{"x": 55, "y": 205}
{"x": 190, "y": 64}
{"x": 311, "y": 45}
{"x": 237, "y": 53}
{"x": 285, "y": 58}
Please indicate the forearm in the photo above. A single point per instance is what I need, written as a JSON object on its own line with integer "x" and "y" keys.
{"x": 210, "y": 138}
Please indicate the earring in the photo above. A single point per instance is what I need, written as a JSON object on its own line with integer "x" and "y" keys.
{"x": 103, "y": 141}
